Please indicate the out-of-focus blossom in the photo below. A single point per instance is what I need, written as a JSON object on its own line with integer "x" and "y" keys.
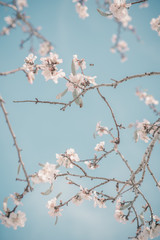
{"x": 66, "y": 158}
{"x": 155, "y": 24}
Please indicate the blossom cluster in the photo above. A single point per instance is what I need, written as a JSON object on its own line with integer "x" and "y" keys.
{"x": 54, "y": 211}
{"x": 155, "y": 24}
{"x": 86, "y": 194}
{"x": 148, "y": 232}
{"x": 119, "y": 10}
{"x": 48, "y": 67}
{"x": 148, "y": 99}
{"x": 143, "y": 129}
{"x": 13, "y": 219}
{"x": 68, "y": 158}
{"x": 81, "y": 8}
{"x": 78, "y": 81}
{"x": 119, "y": 215}
{"x": 120, "y": 46}
{"x": 47, "y": 174}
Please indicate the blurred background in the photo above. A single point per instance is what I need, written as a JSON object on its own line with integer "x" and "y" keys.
{"x": 43, "y": 130}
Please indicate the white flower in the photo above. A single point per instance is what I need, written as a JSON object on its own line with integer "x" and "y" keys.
{"x": 119, "y": 215}
{"x": 149, "y": 99}
{"x": 155, "y": 230}
{"x": 119, "y": 11}
{"x": 16, "y": 199}
{"x": 54, "y": 211}
{"x": 101, "y": 130}
{"x": 141, "y": 131}
{"x": 79, "y": 63}
{"x": 100, "y": 202}
{"x": 49, "y": 67}
{"x": 5, "y": 31}
{"x": 77, "y": 200}
{"x": 45, "y": 48}
{"x": 99, "y": 146}
{"x": 122, "y": 46}
{"x": 46, "y": 174}
{"x": 91, "y": 79}
{"x": 10, "y": 21}
{"x": 65, "y": 159}
{"x": 21, "y": 4}
{"x": 144, "y": 5}
{"x": 155, "y": 24}
{"x": 143, "y": 234}
{"x": 82, "y": 10}
{"x": 29, "y": 62}
{"x": 91, "y": 165}
{"x": 114, "y": 38}
{"x": 85, "y": 193}
{"x": 29, "y": 67}
{"x": 14, "y": 220}
{"x": 76, "y": 80}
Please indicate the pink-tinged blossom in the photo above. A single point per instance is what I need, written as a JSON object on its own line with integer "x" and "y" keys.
{"x": 91, "y": 165}
{"x": 76, "y": 80}
{"x": 100, "y": 202}
{"x": 14, "y": 219}
{"x": 155, "y": 24}
{"x": 119, "y": 11}
{"x": 29, "y": 67}
{"x": 16, "y": 199}
{"x": 47, "y": 174}
{"x": 101, "y": 130}
{"x": 91, "y": 79}
{"x": 67, "y": 158}
{"x": 156, "y": 218}
{"x": 148, "y": 99}
{"x": 155, "y": 230}
{"x": 77, "y": 200}
{"x": 85, "y": 193}
{"x": 114, "y": 38}
{"x": 10, "y": 21}
{"x": 143, "y": 234}
{"x": 29, "y": 62}
{"x": 5, "y": 31}
{"x": 81, "y": 9}
{"x": 79, "y": 81}
{"x": 144, "y": 5}
{"x": 45, "y": 48}
{"x": 119, "y": 215}
{"x": 54, "y": 211}
{"x": 49, "y": 67}
{"x": 141, "y": 131}
{"x": 99, "y": 147}
{"x": 79, "y": 63}
{"x": 122, "y": 46}
{"x": 21, "y": 4}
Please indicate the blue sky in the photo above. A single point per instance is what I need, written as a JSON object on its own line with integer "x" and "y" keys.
{"x": 44, "y": 130}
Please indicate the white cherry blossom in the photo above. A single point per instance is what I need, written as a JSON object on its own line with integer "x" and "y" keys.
{"x": 14, "y": 219}
{"x": 155, "y": 24}
{"x": 46, "y": 174}
{"x": 99, "y": 146}
{"x": 101, "y": 130}
{"x": 21, "y": 4}
{"x": 54, "y": 211}
{"x": 49, "y": 67}
{"x": 65, "y": 159}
